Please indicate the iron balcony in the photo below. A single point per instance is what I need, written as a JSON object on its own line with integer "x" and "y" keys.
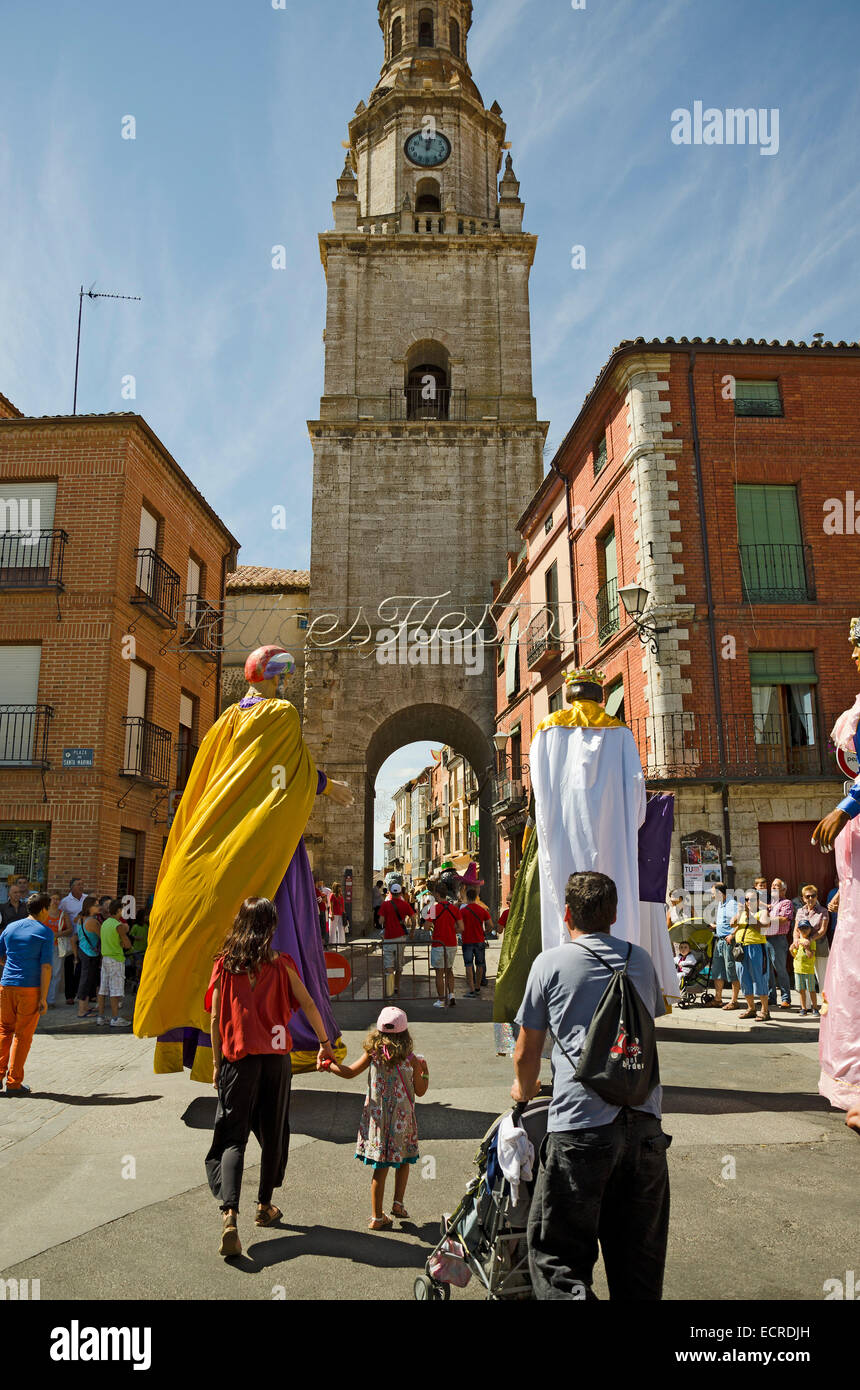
{"x": 157, "y": 588}
{"x": 24, "y": 735}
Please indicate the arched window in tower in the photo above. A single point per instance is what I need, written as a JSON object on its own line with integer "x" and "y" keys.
{"x": 428, "y": 196}
{"x": 455, "y": 38}
{"x": 428, "y": 381}
{"x": 396, "y": 36}
{"x": 425, "y": 29}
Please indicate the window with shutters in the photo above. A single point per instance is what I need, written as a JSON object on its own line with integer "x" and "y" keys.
{"x": 556, "y": 700}
{"x": 23, "y": 721}
{"x": 31, "y": 548}
{"x": 186, "y": 747}
{"x": 608, "y": 611}
{"x": 614, "y": 702}
{"x": 784, "y": 711}
{"x": 775, "y": 565}
{"x": 758, "y": 398}
{"x": 600, "y": 454}
{"x": 512, "y": 669}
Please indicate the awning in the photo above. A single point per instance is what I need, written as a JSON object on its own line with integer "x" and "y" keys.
{"x": 783, "y": 668}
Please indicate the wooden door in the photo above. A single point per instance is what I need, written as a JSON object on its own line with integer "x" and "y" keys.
{"x": 787, "y": 852}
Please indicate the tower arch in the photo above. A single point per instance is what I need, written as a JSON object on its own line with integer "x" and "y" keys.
{"x": 445, "y": 725}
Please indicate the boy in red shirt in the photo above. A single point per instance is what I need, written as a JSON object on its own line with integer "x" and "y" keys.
{"x": 445, "y": 917}
{"x": 474, "y": 916}
{"x": 393, "y": 914}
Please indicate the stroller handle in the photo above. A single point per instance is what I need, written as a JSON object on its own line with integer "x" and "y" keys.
{"x": 518, "y": 1111}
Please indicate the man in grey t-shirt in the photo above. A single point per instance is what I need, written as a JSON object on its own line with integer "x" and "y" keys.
{"x": 603, "y": 1174}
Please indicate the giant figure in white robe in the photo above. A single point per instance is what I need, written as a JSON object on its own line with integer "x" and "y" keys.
{"x": 590, "y": 800}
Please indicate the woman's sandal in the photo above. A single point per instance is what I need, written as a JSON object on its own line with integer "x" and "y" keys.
{"x": 729, "y": 1006}
{"x": 399, "y": 1210}
{"x": 231, "y": 1245}
{"x": 763, "y": 1018}
{"x": 380, "y": 1223}
{"x": 749, "y": 1013}
{"x": 267, "y": 1216}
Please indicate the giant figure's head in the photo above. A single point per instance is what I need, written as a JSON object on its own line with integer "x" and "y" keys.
{"x": 268, "y": 664}
{"x": 854, "y": 639}
{"x": 585, "y": 683}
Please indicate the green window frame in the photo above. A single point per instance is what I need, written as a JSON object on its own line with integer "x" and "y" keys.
{"x": 762, "y": 398}
{"x": 775, "y": 563}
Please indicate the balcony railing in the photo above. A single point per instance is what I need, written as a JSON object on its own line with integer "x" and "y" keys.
{"x": 608, "y": 611}
{"x": 24, "y": 735}
{"x": 752, "y": 405}
{"x": 147, "y": 752}
{"x": 777, "y": 573}
{"x": 203, "y": 628}
{"x": 507, "y": 793}
{"x": 157, "y": 587}
{"x": 543, "y": 643}
{"x": 415, "y": 404}
{"x": 32, "y": 559}
{"x": 681, "y": 746}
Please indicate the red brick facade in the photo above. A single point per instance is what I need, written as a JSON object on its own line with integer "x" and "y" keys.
{"x": 105, "y": 468}
{"x": 647, "y": 491}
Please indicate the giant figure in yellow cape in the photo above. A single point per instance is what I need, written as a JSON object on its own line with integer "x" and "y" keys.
{"x": 237, "y": 834}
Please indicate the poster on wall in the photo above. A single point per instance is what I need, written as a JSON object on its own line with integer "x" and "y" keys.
{"x": 701, "y": 861}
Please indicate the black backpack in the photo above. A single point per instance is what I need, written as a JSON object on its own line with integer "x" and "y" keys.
{"x": 619, "y": 1056}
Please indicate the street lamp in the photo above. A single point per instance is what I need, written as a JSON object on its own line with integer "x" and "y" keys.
{"x": 635, "y": 600}
{"x": 500, "y": 742}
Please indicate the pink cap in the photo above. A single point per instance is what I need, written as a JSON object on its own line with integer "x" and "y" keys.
{"x": 392, "y": 1021}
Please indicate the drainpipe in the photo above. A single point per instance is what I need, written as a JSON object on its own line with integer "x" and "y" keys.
{"x": 712, "y": 625}
{"x": 565, "y": 477}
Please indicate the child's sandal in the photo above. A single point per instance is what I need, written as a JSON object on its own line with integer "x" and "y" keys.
{"x": 400, "y": 1211}
{"x": 380, "y": 1223}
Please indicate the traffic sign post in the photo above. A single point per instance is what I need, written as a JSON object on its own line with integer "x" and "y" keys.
{"x": 339, "y": 972}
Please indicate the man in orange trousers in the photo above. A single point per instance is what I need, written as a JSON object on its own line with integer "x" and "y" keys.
{"x": 26, "y": 960}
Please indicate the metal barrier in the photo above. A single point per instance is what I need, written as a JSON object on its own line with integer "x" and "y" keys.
{"x": 367, "y": 981}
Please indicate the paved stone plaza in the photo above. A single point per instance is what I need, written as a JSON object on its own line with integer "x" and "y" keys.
{"x": 783, "y": 1225}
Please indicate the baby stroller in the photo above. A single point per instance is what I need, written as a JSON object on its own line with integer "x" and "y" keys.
{"x": 695, "y": 987}
{"x": 486, "y": 1235}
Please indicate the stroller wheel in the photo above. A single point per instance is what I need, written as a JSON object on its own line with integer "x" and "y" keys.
{"x": 425, "y": 1291}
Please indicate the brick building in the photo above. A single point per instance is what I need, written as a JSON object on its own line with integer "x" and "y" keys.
{"x": 264, "y": 607}
{"x": 112, "y": 574}
{"x": 714, "y": 478}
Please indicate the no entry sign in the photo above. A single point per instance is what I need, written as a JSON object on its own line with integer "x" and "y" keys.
{"x": 339, "y": 972}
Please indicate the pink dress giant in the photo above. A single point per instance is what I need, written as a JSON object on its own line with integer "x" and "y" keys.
{"x": 839, "y": 1043}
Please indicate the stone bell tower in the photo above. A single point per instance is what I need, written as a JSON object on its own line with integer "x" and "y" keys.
{"x": 428, "y": 444}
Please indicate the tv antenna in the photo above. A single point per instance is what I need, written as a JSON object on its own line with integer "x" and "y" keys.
{"x": 91, "y": 293}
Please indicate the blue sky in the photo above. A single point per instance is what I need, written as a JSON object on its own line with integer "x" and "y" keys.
{"x": 240, "y": 112}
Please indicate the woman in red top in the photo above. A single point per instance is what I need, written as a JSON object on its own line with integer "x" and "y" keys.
{"x": 336, "y": 909}
{"x": 252, "y": 993}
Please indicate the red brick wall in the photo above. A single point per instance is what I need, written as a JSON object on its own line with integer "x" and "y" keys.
{"x": 103, "y": 470}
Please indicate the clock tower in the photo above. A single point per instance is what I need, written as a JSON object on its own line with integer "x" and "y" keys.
{"x": 427, "y": 446}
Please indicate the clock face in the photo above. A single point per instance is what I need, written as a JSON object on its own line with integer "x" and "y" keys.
{"x": 427, "y": 150}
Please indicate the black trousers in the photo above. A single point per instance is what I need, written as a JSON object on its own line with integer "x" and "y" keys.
{"x": 609, "y": 1185}
{"x": 253, "y": 1097}
{"x": 71, "y": 975}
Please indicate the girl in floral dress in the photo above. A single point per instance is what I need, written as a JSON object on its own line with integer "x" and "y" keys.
{"x": 388, "y": 1131}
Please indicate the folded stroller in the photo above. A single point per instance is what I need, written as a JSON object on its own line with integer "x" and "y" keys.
{"x": 485, "y": 1237}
